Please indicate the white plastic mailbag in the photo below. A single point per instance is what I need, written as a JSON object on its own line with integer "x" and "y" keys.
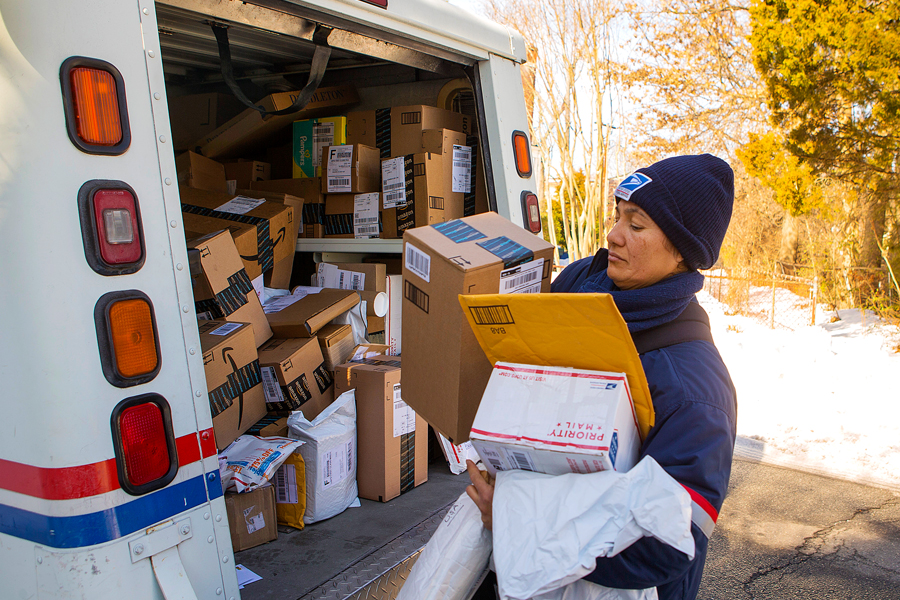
{"x": 548, "y": 530}
{"x": 330, "y": 457}
{"x": 455, "y": 556}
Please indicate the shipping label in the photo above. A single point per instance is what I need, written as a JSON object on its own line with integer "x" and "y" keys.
{"x": 271, "y": 387}
{"x": 404, "y": 416}
{"x": 336, "y": 465}
{"x": 254, "y": 522}
{"x": 286, "y": 485}
{"x": 340, "y": 163}
{"x": 522, "y": 279}
{"x": 323, "y": 135}
{"x": 365, "y": 215}
{"x": 418, "y": 262}
{"x": 240, "y": 205}
{"x": 281, "y": 302}
{"x": 330, "y": 276}
{"x": 462, "y": 169}
{"x": 393, "y": 183}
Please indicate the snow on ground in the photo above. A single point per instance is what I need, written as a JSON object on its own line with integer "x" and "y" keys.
{"x": 823, "y": 397}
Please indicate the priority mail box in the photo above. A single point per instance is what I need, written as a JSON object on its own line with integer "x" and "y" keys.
{"x": 414, "y": 192}
{"x": 392, "y": 438}
{"x": 398, "y": 130}
{"x": 264, "y": 232}
{"x": 294, "y": 376}
{"x": 356, "y": 216}
{"x": 310, "y": 136}
{"x": 224, "y": 289}
{"x": 556, "y": 420}
{"x": 233, "y": 380}
{"x": 350, "y": 169}
{"x": 250, "y": 130}
{"x": 310, "y": 189}
{"x": 251, "y": 517}
{"x": 446, "y": 370}
{"x": 302, "y": 314}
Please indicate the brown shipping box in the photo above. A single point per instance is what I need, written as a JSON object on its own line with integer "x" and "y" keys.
{"x": 423, "y": 193}
{"x": 398, "y": 131}
{"x": 290, "y": 318}
{"x": 224, "y": 289}
{"x": 201, "y": 173}
{"x": 245, "y": 171}
{"x": 195, "y": 115}
{"x": 351, "y": 169}
{"x": 250, "y": 129}
{"x": 446, "y": 370}
{"x": 231, "y": 364}
{"x": 251, "y": 517}
{"x": 259, "y": 251}
{"x": 336, "y": 342}
{"x": 392, "y": 438}
{"x": 280, "y": 276}
{"x": 343, "y": 218}
{"x": 294, "y": 376}
{"x": 442, "y": 141}
{"x": 269, "y": 426}
{"x": 310, "y": 189}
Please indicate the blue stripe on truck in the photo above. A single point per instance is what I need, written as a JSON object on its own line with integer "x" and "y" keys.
{"x": 106, "y": 525}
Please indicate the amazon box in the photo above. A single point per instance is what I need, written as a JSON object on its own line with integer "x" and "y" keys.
{"x": 233, "y": 380}
{"x": 336, "y": 342}
{"x": 264, "y": 232}
{"x": 310, "y": 189}
{"x": 398, "y": 131}
{"x": 556, "y": 420}
{"x": 350, "y": 169}
{"x": 354, "y": 216}
{"x": 414, "y": 193}
{"x": 251, "y": 517}
{"x": 483, "y": 254}
{"x": 250, "y": 130}
{"x": 224, "y": 290}
{"x": 199, "y": 172}
{"x": 302, "y": 314}
{"x": 392, "y": 438}
{"x": 294, "y": 376}
{"x": 269, "y": 426}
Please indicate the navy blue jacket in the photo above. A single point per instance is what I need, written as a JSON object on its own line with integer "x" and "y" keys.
{"x": 692, "y": 439}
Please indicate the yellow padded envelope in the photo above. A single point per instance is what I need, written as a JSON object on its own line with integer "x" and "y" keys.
{"x": 584, "y": 331}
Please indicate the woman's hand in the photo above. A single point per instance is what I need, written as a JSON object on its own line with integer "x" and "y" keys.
{"x": 481, "y": 492}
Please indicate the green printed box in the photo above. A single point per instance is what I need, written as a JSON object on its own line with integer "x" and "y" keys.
{"x": 310, "y": 136}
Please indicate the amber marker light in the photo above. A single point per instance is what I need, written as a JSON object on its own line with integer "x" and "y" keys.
{"x": 522, "y": 151}
{"x": 127, "y": 338}
{"x": 97, "y": 119}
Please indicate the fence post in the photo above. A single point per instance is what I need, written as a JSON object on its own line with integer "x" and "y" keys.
{"x": 772, "y": 317}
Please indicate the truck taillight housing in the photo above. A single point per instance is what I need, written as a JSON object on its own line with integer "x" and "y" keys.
{"x": 111, "y": 227}
{"x": 127, "y": 338}
{"x": 531, "y": 212}
{"x": 94, "y": 98}
{"x": 146, "y": 458}
{"x": 522, "y": 151}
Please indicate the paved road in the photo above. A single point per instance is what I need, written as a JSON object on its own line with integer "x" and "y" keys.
{"x": 785, "y": 534}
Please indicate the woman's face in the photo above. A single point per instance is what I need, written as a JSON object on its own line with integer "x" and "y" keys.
{"x": 639, "y": 252}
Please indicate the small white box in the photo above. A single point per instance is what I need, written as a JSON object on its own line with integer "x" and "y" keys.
{"x": 556, "y": 420}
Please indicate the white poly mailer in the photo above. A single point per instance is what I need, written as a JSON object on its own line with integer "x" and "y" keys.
{"x": 330, "y": 457}
{"x": 549, "y": 530}
{"x": 454, "y": 558}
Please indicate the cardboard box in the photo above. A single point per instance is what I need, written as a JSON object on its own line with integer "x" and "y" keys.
{"x": 224, "y": 289}
{"x": 392, "y": 438}
{"x": 310, "y": 189}
{"x": 354, "y": 216}
{"x": 398, "y": 131}
{"x": 245, "y": 171}
{"x": 195, "y": 115}
{"x": 458, "y": 164}
{"x": 302, "y": 316}
{"x": 250, "y": 129}
{"x": 336, "y": 342}
{"x": 363, "y": 351}
{"x": 269, "y": 426}
{"x": 350, "y": 169}
{"x": 233, "y": 380}
{"x": 264, "y": 234}
{"x": 251, "y": 517}
{"x": 414, "y": 193}
{"x": 556, "y": 420}
{"x": 199, "y": 172}
{"x": 310, "y": 136}
{"x": 484, "y": 254}
{"x": 294, "y": 376}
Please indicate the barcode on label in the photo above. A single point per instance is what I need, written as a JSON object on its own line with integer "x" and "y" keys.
{"x": 392, "y": 198}
{"x": 225, "y": 329}
{"x": 366, "y": 230}
{"x": 343, "y": 154}
{"x": 418, "y": 262}
{"x": 327, "y": 471}
{"x": 286, "y": 485}
{"x": 460, "y": 164}
{"x": 271, "y": 388}
{"x": 364, "y": 220}
{"x": 520, "y": 280}
{"x": 394, "y": 186}
{"x": 522, "y": 461}
{"x": 342, "y": 181}
{"x": 492, "y": 315}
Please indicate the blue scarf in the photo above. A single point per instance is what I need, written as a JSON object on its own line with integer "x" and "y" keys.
{"x": 648, "y": 307}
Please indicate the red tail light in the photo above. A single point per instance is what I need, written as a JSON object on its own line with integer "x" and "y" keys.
{"x": 531, "y": 212}
{"x": 145, "y": 446}
{"x": 111, "y": 227}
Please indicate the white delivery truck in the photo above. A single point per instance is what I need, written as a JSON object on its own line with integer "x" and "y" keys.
{"x": 110, "y": 485}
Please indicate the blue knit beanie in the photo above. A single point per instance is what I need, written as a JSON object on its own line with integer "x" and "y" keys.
{"x": 690, "y": 198}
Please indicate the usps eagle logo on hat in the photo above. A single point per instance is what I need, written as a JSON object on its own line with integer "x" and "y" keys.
{"x": 630, "y": 185}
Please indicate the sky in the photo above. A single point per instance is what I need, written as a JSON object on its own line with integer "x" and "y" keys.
{"x": 821, "y": 398}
